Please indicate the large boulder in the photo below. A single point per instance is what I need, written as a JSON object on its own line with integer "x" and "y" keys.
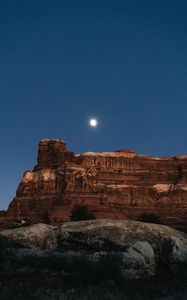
{"x": 134, "y": 250}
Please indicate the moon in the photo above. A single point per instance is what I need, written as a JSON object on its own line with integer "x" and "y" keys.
{"x": 93, "y": 122}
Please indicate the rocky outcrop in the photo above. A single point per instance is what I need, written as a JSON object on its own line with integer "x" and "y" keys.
{"x": 133, "y": 250}
{"x": 116, "y": 185}
{"x": 2, "y": 218}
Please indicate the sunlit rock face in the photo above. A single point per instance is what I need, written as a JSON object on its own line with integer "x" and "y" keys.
{"x": 117, "y": 185}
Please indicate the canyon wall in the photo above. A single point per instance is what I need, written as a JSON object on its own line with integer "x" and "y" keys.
{"x": 116, "y": 185}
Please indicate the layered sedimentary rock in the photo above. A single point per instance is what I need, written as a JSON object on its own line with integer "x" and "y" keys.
{"x": 116, "y": 185}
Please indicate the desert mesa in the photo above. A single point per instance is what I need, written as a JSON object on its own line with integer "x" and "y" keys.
{"x": 110, "y": 185}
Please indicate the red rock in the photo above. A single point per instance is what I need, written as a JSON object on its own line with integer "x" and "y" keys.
{"x": 2, "y": 218}
{"x": 116, "y": 185}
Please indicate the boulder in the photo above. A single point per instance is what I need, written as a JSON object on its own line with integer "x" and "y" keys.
{"x": 133, "y": 250}
{"x": 37, "y": 236}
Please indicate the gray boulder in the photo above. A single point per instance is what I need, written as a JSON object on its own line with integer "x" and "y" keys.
{"x": 37, "y": 236}
{"x": 135, "y": 250}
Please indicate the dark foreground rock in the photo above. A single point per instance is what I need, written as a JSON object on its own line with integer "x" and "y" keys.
{"x": 98, "y": 259}
{"x": 127, "y": 249}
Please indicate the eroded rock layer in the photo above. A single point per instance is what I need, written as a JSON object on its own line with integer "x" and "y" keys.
{"x": 116, "y": 185}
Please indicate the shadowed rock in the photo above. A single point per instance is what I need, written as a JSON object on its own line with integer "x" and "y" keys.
{"x": 134, "y": 249}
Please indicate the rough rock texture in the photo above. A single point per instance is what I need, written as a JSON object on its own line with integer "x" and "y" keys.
{"x": 38, "y": 236}
{"x": 116, "y": 185}
{"x": 135, "y": 250}
{"x": 2, "y": 217}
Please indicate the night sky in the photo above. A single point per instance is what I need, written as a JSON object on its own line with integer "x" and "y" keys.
{"x": 63, "y": 62}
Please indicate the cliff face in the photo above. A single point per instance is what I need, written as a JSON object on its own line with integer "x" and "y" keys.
{"x": 116, "y": 185}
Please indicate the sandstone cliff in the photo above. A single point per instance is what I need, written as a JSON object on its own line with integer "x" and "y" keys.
{"x": 116, "y": 185}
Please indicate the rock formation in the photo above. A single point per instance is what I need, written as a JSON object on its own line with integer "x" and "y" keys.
{"x": 116, "y": 185}
{"x": 134, "y": 250}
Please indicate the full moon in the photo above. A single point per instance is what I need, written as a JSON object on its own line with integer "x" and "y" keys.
{"x": 93, "y": 122}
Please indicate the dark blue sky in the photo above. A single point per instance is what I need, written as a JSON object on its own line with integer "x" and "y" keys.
{"x": 62, "y": 62}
